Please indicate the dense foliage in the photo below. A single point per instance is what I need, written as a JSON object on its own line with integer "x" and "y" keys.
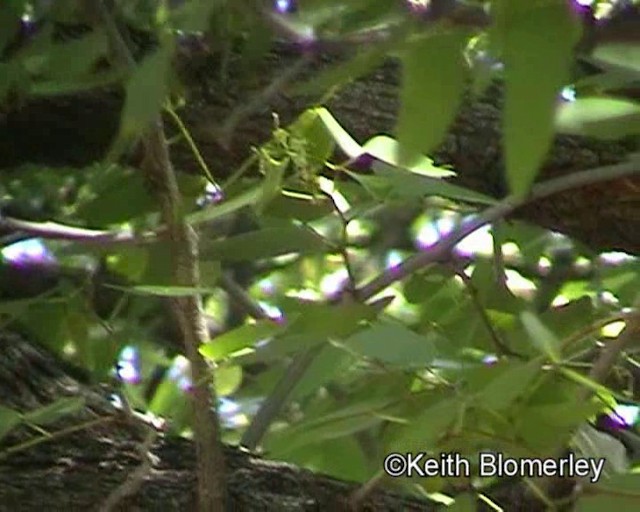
{"x": 355, "y": 284}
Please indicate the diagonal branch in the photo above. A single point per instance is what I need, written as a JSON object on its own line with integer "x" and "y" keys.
{"x": 439, "y": 253}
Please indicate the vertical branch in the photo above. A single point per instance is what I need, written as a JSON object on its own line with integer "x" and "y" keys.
{"x": 189, "y": 313}
{"x": 160, "y": 175}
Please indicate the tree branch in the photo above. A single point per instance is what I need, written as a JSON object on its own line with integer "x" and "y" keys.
{"x": 188, "y": 310}
{"x": 441, "y": 250}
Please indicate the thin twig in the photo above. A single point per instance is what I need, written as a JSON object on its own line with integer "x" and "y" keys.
{"x": 609, "y": 355}
{"x": 242, "y": 298}
{"x": 500, "y": 347}
{"x": 441, "y": 250}
{"x": 134, "y": 481}
{"x": 273, "y": 404}
{"x": 57, "y": 231}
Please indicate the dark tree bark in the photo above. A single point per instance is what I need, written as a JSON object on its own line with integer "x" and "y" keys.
{"x": 101, "y": 450}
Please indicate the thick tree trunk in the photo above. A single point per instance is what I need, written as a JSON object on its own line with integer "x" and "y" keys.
{"x": 93, "y": 451}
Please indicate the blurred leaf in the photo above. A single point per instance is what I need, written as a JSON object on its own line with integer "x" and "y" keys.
{"x": 164, "y": 291}
{"x": 324, "y": 320}
{"x": 228, "y": 379}
{"x": 603, "y": 118}
{"x": 425, "y": 428}
{"x": 217, "y": 211}
{"x": 334, "y": 424}
{"x": 268, "y": 243}
{"x": 543, "y": 338}
{"x": 46, "y": 321}
{"x": 386, "y": 150}
{"x": 169, "y": 401}
{"x": 146, "y": 92}
{"x": 340, "y": 458}
{"x": 393, "y": 343}
{"x": 433, "y": 82}
{"x": 543, "y": 427}
{"x": 464, "y": 503}
{"x": 423, "y": 286}
{"x": 329, "y": 364}
{"x": 620, "y": 493}
{"x": 537, "y": 41}
{"x": 9, "y": 419}
{"x": 593, "y": 444}
{"x": 622, "y": 280}
{"x": 305, "y": 208}
{"x": 510, "y": 381}
{"x": 346, "y": 142}
{"x": 116, "y": 196}
{"x": 311, "y": 324}
{"x": 319, "y": 144}
{"x": 389, "y": 183}
{"x": 72, "y": 59}
{"x": 273, "y": 177}
{"x": 241, "y": 337}
{"x": 53, "y": 412}
{"x": 619, "y": 55}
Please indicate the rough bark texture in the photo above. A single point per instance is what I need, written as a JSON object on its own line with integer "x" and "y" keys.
{"x": 79, "y": 470}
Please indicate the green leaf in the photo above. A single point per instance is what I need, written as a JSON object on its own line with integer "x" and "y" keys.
{"x": 164, "y": 291}
{"x": 619, "y": 55}
{"x": 620, "y": 493}
{"x": 9, "y": 419}
{"x": 329, "y": 364}
{"x": 239, "y": 338}
{"x": 345, "y": 142}
{"x": 228, "y": 379}
{"x": 319, "y": 143}
{"x": 433, "y": 82}
{"x": 537, "y": 44}
{"x": 603, "y": 118}
{"x": 328, "y": 320}
{"x": 393, "y": 343}
{"x": 217, "y": 211}
{"x": 146, "y": 92}
{"x": 72, "y": 59}
{"x": 53, "y": 412}
{"x": 385, "y": 149}
{"x": 390, "y": 184}
{"x": 116, "y": 196}
{"x": 542, "y": 337}
{"x": 273, "y": 176}
{"x": 511, "y": 380}
{"x": 542, "y": 427}
{"x": 311, "y": 324}
{"x": 464, "y": 503}
{"x": 342, "y": 422}
{"x": 169, "y": 402}
{"x": 584, "y": 381}
{"x": 303, "y": 207}
{"x": 420, "y": 287}
{"x": 424, "y": 430}
{"x": 268, "y": 243}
